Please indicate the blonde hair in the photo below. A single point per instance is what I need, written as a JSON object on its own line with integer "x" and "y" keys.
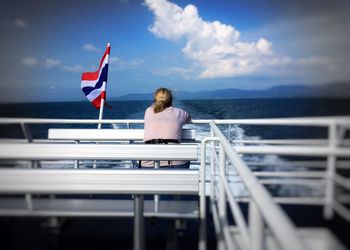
{"x": 162, "y": 99}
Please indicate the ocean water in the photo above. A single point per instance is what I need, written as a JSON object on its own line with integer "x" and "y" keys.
{"x": 198, "y": 109}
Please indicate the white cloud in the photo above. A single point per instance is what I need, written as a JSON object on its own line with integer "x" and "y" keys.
{"x": 29, "y": 61}
{"x": 185, "y": 72}
{"x": 113, "y": 60}
{"x": 216, "y": 47}
{"x": 314, "y": 61}
{"x": 90, "y": 47}
{"x": 50, "y": 63}
{"x": 136, "y": 62}
{"x": 20, "y": 23}
{"x": 74, "y": 68}
{"x": 118, "y": 64}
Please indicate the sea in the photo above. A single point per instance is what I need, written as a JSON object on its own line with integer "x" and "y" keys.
{"x": 198, "y": 109}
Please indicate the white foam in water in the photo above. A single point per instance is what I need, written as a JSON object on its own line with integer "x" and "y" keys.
{"x": 237, "y": 133}
{"x": 272, "y": 162}
{"x": 118, "y": 126}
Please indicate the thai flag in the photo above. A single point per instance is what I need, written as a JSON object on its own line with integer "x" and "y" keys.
{"x": 93, "y": 84}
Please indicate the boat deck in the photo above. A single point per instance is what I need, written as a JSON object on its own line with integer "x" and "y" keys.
{"x": 240, "y": 193}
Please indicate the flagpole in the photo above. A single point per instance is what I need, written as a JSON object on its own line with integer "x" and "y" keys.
{"x": 101, "y": 110}
{"x": 103, "y": 97}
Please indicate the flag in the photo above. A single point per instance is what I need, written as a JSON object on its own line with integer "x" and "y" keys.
{"x": 93, "y": 84}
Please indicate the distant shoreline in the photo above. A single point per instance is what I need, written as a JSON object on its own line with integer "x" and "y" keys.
{"x": 328, "y": 91}
{"x": 116, "y": 99}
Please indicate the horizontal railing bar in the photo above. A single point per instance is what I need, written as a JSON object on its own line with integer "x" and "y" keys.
{"x": 342, "y": 181}
{"x": 36, "y": 151}
{"x": 291, "y": 174}
{"x": 284, "y": 181}
{"x": 343, "y": 198}
{"x": 105, "y": 134}
{"x": 290, "y": 163}
{"x": 285, "y": 141}
{"x": 292, "y": 200}
{"x": 18, "y": 140}
{"x": 341, "y": 210}
{"x": 80, "y": 207}
{"x": 341, "y": 164}
{"x": 69, "y": 162}
{"x": 301, "y": 174}
{"x": 103, "y": 214}
{"x": 296, "y": 151}
{"x": 302, "y": 121}
{"x": 98, "y": 181}
{"x": 292, "y": 182}
{"x": 67, "y": 121}
{"x": 299, "y": 121}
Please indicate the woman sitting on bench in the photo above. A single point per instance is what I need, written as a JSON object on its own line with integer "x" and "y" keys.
{"x": 163, "y": 125}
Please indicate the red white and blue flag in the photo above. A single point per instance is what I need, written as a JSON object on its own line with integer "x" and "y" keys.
{"x": 93, "y": 84}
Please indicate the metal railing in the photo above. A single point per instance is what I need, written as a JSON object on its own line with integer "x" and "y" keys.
{"x": 261, "y": 205}
{"x": 223, "y": 164}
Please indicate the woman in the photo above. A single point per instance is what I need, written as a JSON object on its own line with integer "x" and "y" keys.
{"x": 163, "y": 125}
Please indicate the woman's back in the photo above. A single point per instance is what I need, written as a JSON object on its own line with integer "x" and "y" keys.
{"x": 166, "y": 124}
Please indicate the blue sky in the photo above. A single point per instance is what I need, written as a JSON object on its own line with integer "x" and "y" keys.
{"x": 181, "y": 44}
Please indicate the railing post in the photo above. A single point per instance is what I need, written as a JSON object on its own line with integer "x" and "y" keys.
{"x": 222, "y": 196}
{"x": 28, "y": 135}
{"x": 76, "y": 162}
{"x": 256, "y": 226}
{"x": 212, "y": 165}
{"x": 139, "y": 230}
{"x": 202, "y": 245}
{"x": 156, "y": 196}
{"x": 26, "y": 132}
{"x": 202, "y": 195}
{"x": 29, "y": 201}
{"x": 328, "y": 211}
{"x": 33, "y": 164}
{"x": 219, "y": 237}
{"x": 229, "y": 133}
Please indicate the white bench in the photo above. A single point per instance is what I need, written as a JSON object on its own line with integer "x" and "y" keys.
{"x": 107, "y": 134}
{"x": 53, "y": 151}
{"x": 96, "y": 181}
{"x": 133, "y": 152}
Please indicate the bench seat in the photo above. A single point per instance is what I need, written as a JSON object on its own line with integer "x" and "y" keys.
{"x": 107, "y": 134}
{"x": 52, "y": 151}
{"x": 98, "y": 181}
{"x": 73, "y": 207}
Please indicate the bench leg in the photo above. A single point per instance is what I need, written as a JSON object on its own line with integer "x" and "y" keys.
{"x": 139, "y": 230}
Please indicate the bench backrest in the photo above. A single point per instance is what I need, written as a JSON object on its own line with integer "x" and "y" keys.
{"x": 64, "y": 151}
{"x": 97, "y": 181}
{"x": 106, "y": 134}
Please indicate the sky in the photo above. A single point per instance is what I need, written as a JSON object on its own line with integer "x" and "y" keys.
{"x": 186, "y": 45}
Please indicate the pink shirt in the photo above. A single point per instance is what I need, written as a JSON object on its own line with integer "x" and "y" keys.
{"x": 166, "y": 124}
